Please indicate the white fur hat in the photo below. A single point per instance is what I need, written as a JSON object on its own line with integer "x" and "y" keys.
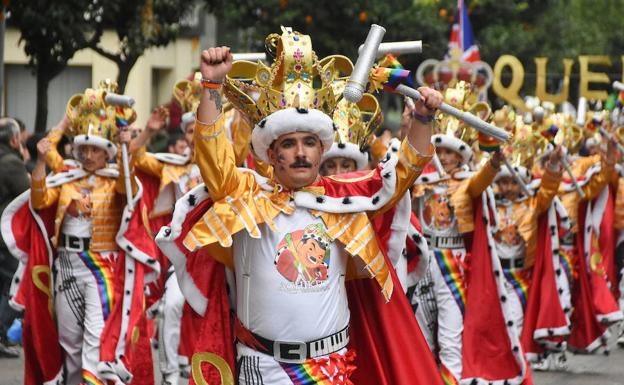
{"x": 94, "y": 140}
{"x": 291, "y": 120}
{"x": 350, "y": 151}
{"x": 455, "y": 144}
{"x": 522, "y": 171}
{"x": 187, "y": 118}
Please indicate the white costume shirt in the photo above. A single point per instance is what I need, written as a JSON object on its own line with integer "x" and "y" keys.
{"x": 288, "y": 287}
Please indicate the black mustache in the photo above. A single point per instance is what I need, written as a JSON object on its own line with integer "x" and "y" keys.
{"x": 301, "y": 163}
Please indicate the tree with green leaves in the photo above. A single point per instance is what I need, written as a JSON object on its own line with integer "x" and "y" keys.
{"x": 140, "y": 24}
{"x": 52, "y": 32}
{"x": 336, "y": 26}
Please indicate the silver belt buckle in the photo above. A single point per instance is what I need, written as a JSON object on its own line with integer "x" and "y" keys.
{"x": 69, "y": 247}
{"x": 290, "y": 352}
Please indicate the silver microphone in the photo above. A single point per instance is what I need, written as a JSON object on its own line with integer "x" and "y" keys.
{"x": 250, "y": 56}
{"x": 119, "y": 100}
{"x": 470, "y": 119}
{"x": 359, "y": 77}
{"x": 618, "y": 86}
{"x": 397, "y": 47}
{"x": 581, "y": 111}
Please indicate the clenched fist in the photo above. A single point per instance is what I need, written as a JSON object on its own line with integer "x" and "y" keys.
{"x": 43, "y": 147}
{"x": 216, "y": 63}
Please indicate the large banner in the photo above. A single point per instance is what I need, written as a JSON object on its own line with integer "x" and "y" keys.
{"x": 588, "y": 78}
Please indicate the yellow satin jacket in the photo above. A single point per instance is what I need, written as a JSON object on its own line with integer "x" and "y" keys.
{"x": 241, "y": 203}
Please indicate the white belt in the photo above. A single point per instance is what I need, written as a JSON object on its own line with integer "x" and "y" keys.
{"x": 441, "y": 242}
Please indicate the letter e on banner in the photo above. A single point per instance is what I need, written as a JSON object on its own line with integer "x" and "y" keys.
{"x": 592, "y": 77}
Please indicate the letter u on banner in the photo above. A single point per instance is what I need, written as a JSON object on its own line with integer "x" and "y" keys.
{"x": 540, "y": 81}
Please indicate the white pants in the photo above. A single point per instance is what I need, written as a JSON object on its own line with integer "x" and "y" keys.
{"x": 83, "y": 291}
{"x": 169, "y": 326}
{"x": 515, "y": 306}
{"x": 440, "y": 318}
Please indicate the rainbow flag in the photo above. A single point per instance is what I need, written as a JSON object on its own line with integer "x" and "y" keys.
{"x": 488, "y": 143}
{"x": 387, "y": 78}
{"x": 390, "y": 61}
{"x": 550, "y": 132}
{"x": 452, "y": 274}
{"x": 103, "y": 273}
{"x": 120, "y": 118}
{"x": 593, "y": 124}
{"x": 520, "y": 280}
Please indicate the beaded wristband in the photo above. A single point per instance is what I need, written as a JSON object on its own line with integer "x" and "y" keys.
{"x": 424, "y": 119}
{"x": 211, "y": 84}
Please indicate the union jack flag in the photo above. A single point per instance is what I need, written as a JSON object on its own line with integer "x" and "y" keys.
{"x": 462, "y": 37}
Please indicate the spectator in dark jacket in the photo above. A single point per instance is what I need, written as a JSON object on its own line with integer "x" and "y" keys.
{"x": 13, "y": 181}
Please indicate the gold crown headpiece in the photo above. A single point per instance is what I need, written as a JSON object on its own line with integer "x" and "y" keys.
{"x": 188, "y": 92}
{"x": 257, "y": 90}
{"x": 505, "y": 118}
{"x": 526, "y": 145}
{"x": 89, "y": 114}
{"x": 461, "y": 97}
{"x": 355, "y": 122}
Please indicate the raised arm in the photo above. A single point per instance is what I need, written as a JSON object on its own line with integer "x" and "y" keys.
{"x": 240, "y": 129}
{"x": 141, "y": 159}
{"x": 597, "y": 183}
{"x": 120, "y": 185}
{"x": 156, "y": 122}
{"x": 416, "y": 149}
{"x": 485, "y": 176}
{"x": 550, "y": 183}
{"x": 53, "y": 159}
{"x": 41, "y": 196}
{"x": 213, "y": 151}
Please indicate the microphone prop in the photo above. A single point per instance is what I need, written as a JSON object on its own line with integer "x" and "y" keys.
{"x": 618, "y": 86}
{"x": 566, "y": 165}
{"x": 119, "y": 100}
{"x": 250, "y": 56}
{"x": 356, "y": 85}
{"x": 397, "y": 47}
{"x": 581, "y": 112}
{"x": 123, "y": 101}
{"x": 470, "y": 119}
{"x": 609, "y": 136}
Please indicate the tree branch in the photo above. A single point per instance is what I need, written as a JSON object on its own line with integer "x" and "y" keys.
{"x": 110, "y": 56}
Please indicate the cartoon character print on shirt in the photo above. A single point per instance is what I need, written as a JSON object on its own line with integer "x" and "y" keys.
{"x": 80, "y": 205}
{"x": 507, "y": 233}
{"x": 438, "y": 212}
{"x": 303, "y": 256}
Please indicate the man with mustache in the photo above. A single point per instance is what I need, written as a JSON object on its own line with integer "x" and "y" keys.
{"x": 251, "y": 216}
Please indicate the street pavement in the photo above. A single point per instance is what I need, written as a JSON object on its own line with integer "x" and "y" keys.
{"x": 583, "y": 370}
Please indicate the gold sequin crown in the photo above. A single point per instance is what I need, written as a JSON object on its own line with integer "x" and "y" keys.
{"x": 297, "y": 78}
{"x": 461, "y": 97}
{"x": 187, "y": 93}
{"x": 89, "y": 114}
